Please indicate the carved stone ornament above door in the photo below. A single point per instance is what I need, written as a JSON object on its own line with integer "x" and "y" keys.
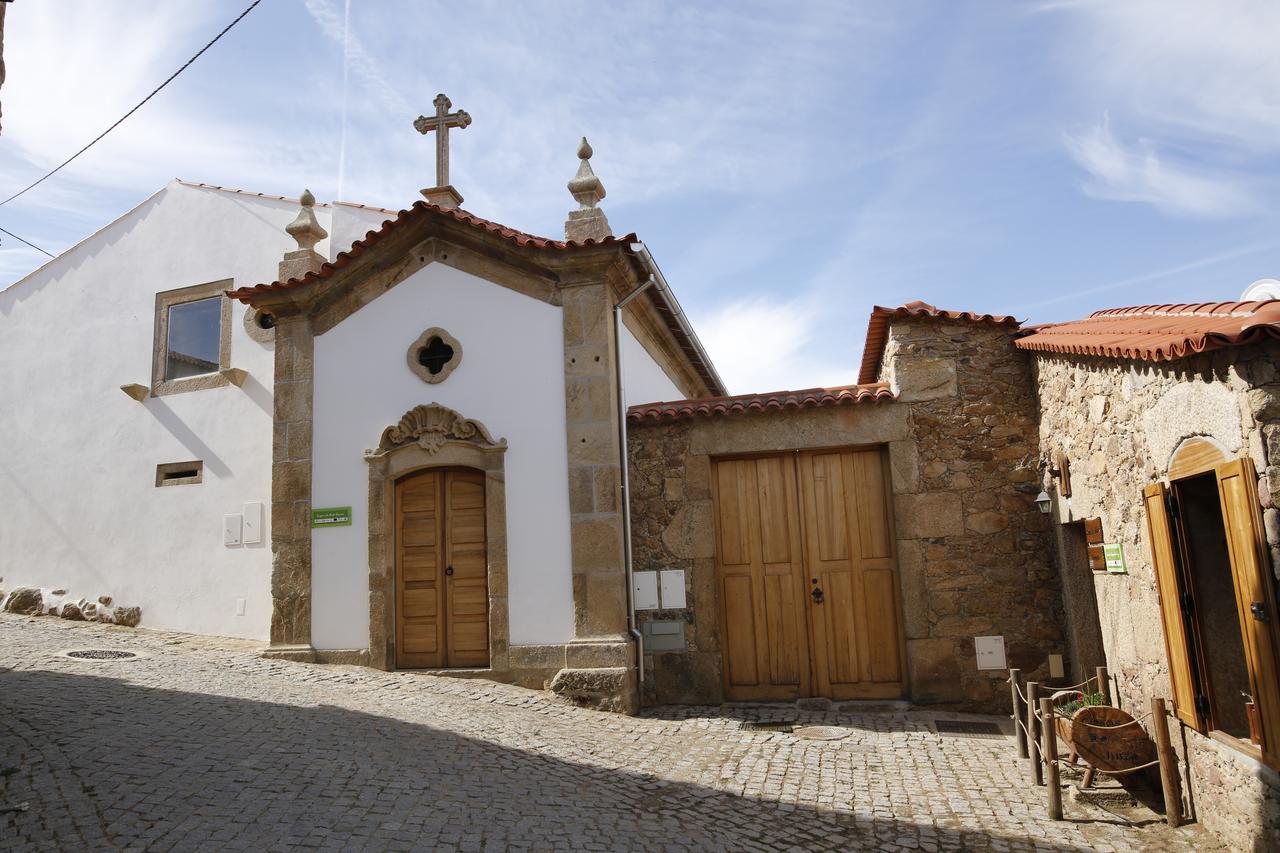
{"x": 430, "y": 428}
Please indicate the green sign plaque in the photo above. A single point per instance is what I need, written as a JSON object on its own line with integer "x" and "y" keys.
{"x": 333, "y": 516}
{"x": 1113, "y": 553}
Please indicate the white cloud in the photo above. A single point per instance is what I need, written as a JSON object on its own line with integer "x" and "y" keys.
{"x": 766, "y": 344}
{"x": 1178, "y": 77}
{"x": 1137, "y": 173}
{"x": 360, "y": 61}
{"x": 1206, "y": 69}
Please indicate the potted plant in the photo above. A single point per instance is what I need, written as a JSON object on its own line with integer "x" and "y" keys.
{"x": 1065, "y": 711}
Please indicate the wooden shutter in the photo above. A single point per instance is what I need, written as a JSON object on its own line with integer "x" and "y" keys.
{"x": 1237, "y": 488}
{"x": 1160, "y": 540}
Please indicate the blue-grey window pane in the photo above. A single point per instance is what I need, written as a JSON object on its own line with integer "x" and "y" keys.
{"x": 195, "y": 332}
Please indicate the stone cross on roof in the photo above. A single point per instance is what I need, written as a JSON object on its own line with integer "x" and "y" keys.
{"x": 442, "y": 193}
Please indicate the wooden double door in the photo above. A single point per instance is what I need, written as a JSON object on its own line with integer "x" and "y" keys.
{"x": 442, "y": 596}
{"x": 807, "y": 576}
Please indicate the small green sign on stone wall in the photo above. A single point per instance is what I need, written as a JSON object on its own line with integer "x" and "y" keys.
{"x": 334, "y": 516}
{"x": 1114, "y": 555}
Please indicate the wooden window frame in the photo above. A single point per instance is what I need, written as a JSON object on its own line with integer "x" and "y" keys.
{"x": 1236, "y": 483}
{"x": 160, "y": 386}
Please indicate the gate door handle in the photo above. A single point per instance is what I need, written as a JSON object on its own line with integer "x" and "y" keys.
{"x": 448, "y": 570}
{"x": 1259, "y": 611}
{"x": 817, "y": 595}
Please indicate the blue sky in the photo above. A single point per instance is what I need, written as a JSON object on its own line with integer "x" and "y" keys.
{"x": 789, "y": 165}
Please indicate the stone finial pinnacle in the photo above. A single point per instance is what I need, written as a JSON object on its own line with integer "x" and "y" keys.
{"x": 588, "y": 222}
{"x": 585, "y": 187}
{"x": 306, "y": 228}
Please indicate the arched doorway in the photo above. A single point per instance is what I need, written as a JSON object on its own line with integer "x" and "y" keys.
{"x": 436, "y": 479}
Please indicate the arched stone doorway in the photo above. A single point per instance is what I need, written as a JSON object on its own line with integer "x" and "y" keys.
{"x": 435, "y": 449}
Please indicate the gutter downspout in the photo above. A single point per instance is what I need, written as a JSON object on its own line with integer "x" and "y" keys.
{"x": 625, "y": 493}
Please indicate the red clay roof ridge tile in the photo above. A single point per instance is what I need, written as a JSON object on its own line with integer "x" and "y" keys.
{"x": 807, "y": 398}
{"x": 1158, "y": 332}
{"x": 878, "y": 329}
{"x": 419, "y": 209}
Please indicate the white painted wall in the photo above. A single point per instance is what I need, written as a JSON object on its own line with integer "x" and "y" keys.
{"x": 643, "y": 380}
{"x": 78, "y": 504}
{"x": 511, "y": 379}
{"x": 348, "y": 223}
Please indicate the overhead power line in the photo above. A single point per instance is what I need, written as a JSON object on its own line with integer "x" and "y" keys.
{"x": 154, "y": 92}
{"x": 28, "y": 242}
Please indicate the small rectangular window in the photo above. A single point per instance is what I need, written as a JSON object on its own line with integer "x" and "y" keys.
{"x": 195, "y": 330}
{"x": 192, "y": 349}
{"x": 179, "y": 473}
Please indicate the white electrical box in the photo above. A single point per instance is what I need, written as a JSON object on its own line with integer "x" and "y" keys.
{"x": 252, "y": 523}
{"x": 232, "y": 526}
{"x": 990, "y": 652}
{"x": 672, "y": 588}
{"x": 644, "y": 590}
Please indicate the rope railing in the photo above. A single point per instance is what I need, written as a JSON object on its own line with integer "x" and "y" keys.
{"x": 1123, "y": 772}
{"x": 1072, "y": 687}
{"x": 1036, "y": 736}
{"x": 1085, "y": 725}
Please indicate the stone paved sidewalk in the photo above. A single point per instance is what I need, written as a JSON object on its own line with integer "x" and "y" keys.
{"x": 201, "y": 744}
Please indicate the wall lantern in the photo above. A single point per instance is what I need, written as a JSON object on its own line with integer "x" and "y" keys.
{"x": 1044, "y": 502}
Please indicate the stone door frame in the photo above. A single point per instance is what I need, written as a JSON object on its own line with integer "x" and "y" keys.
{"x": 434, "y": 437}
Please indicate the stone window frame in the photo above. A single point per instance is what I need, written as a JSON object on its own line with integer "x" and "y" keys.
{"x": 159, "y": 350}
{"x": 420, "y": 370}
{"x": 444, "y": 439}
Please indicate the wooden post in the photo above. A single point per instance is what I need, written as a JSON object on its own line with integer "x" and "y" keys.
{"x": 1168, "y": 764}
{"x": 1050, "y": 750}
{"x": 1103, "y": 686}
{"x": 1033, "y": 732}
{"x": 1019, "y": 736}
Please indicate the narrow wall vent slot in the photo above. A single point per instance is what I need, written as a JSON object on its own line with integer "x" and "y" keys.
{"x": 179, "y": 473}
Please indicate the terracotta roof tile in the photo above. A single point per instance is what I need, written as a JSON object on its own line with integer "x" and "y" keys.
{"x": 878, "y": 330}
{"x": 668, "y": 312}
{"x": 809, "y": 398}
{"x": 418, "y": 211}
{"x": 1159, "y": 332}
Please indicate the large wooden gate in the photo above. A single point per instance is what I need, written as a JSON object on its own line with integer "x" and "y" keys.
{"x": 808, "y": 586}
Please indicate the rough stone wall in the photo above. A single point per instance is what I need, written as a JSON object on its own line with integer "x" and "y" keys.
{"x": 1119, "y": 423}
{"x": 973, "y": 551}
{"x": 969, "y": 531}
{"x": 672, "y": 527}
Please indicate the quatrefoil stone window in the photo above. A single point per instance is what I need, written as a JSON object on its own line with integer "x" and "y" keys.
{"x": 434, "y": 355}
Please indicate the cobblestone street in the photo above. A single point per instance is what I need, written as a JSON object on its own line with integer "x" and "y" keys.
{"x": 201, "y": 744}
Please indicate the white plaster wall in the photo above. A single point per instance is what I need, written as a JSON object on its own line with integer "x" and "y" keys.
{"x": 643, "y": 380}
{"x": 348, "y": 223}
{"x": 78, "y": 504}
{"x": 511, "y": 379}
